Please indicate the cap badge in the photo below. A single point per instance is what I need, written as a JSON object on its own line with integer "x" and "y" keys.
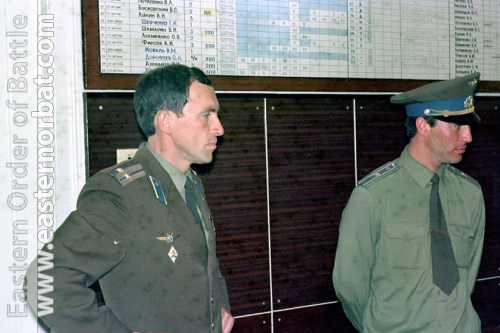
{"x": 469, "y": 102}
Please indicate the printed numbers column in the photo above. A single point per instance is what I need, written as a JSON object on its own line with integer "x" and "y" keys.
{"x": 357, "y": 39}
{"x": 193, "y": 33}
{"x": 209, "y": 37}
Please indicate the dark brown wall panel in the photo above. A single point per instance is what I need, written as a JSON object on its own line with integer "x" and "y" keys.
{"x": 380, "y": 133}
{"x": 310, "y": 173}
{"x": 486, "y": 302}
{"x": 324, "y": 318}
{"x": 253, "y": 324}
{"x": 111, "y": 125}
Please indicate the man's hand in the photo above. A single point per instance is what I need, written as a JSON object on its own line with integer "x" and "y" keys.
{"x": 227, "y": 321}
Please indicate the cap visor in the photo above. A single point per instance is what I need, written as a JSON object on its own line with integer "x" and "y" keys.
{"x": 465, "y": 119}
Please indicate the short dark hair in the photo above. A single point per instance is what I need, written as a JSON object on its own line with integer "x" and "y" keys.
{"x": 164, "y": 88}
{"x": 411, "y": 127}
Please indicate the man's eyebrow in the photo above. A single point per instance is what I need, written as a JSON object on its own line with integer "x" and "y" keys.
{"x": 211, "y": 110}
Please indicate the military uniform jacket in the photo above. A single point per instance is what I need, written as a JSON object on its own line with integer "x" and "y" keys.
{"x": 383, "y": 270}
{"x": 133, "y": 232}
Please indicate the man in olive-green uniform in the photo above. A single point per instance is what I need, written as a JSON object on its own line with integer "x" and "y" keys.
{"x": 154, "y": 256}
{"x": 388, "y": 270}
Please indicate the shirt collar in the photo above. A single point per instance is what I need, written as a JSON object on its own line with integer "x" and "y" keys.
{"x": 418, "y": 171}
{"x": 175, "y": 174}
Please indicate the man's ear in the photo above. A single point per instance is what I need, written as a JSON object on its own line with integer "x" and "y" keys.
{"x": 423, "y": 126}
{"x": 162, "y": 121}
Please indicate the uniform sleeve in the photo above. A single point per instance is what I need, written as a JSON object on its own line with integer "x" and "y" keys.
{"x": 355, "y": 255}
{"x": 84, "y": 248}
{"x": 476, "y": 246}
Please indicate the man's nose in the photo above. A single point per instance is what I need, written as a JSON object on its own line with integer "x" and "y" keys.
{"x": 466, "y": 133}
{"x": 217, "y": 127}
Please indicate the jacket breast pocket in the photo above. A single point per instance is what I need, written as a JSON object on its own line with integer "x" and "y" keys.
{"x": 460, "y": 239}
{"x": 406, "y": 245}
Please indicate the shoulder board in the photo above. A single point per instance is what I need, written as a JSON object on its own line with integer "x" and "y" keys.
{"x": 378, "y": 174}
{"x": 463, "y": 175}
{"x": 127, "y": 171}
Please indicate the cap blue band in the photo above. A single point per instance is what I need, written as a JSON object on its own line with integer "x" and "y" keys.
{"x": 417, "y": 109}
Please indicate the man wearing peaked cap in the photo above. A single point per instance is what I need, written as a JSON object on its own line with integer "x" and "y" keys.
{"x": 411, "y": 235}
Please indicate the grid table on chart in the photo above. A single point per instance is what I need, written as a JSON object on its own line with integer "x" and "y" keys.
{"x": 288, "y": 38}
{"x": 388, "y": 39}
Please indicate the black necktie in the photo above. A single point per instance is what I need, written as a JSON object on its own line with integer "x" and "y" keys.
{"x": 444, "y": 268}
{"x": 191, "y": 200}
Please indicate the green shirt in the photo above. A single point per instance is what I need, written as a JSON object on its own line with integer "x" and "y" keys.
{"x": 178, "y": 178}
{"x": 383, "y": 270}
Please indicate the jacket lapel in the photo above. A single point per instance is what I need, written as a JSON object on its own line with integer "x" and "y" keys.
{"x": 178, "y": 215}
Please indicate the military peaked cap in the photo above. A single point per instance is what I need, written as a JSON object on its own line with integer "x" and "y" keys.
{"x": 450, "y": 101}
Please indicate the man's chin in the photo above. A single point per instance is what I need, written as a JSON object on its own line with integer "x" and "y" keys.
{"x": 455, "y": 160}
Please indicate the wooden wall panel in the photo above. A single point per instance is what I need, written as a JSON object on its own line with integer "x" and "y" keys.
{"x": 380, "y": 133}
{"x": 254, "y": 324}
{"x": 325, "y": 318}
{"x": 111, "y": 125}
{"x": 486, "y": 302}
{"x": 310, "y": 175}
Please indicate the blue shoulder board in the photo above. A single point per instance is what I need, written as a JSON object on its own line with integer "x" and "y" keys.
{"x": 463, "y": 175}
{"x": 378, "y": 174}
{"x": 127, "y": 171}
